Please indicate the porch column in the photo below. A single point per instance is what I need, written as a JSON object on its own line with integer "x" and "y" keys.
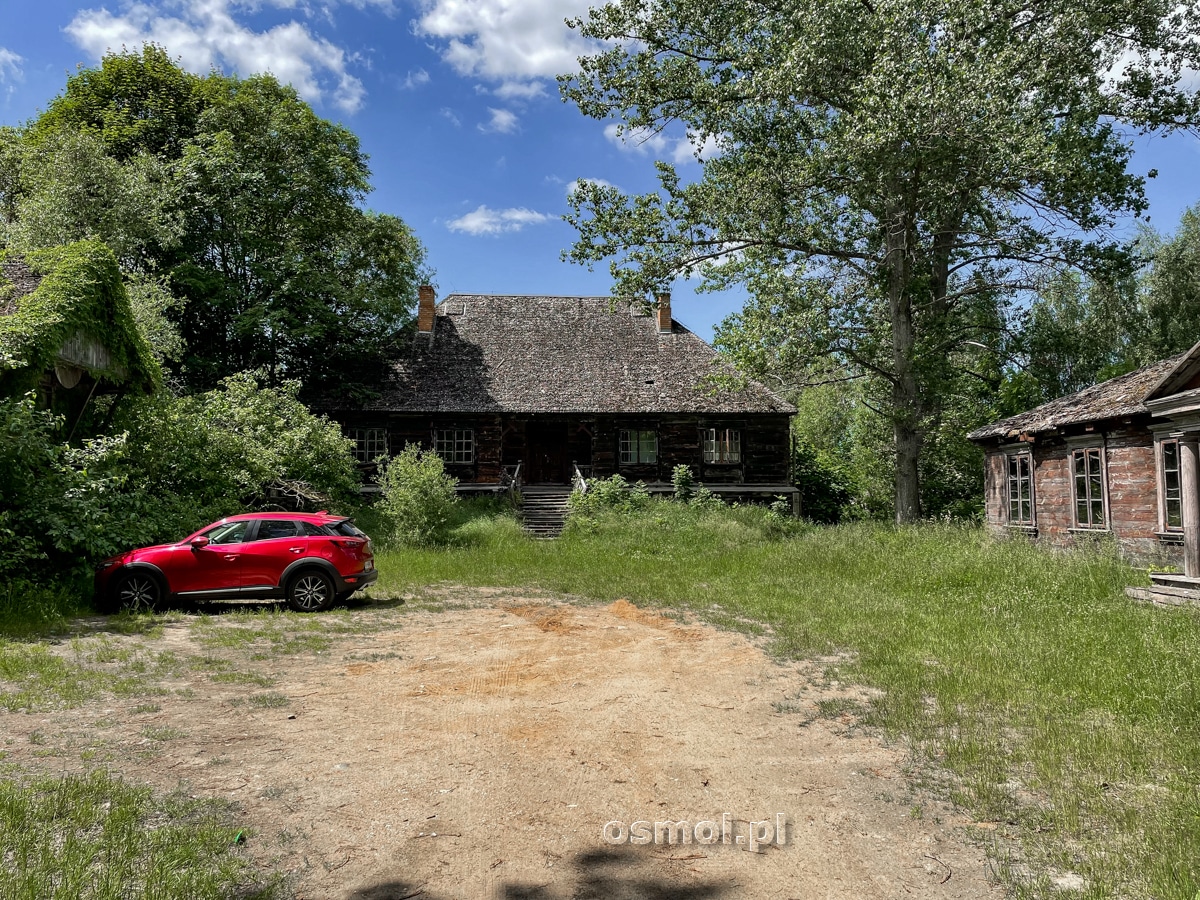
{"x": 1189, "y": 465}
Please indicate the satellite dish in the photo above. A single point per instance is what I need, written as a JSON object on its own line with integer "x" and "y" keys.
{"x": 68, "y": 376}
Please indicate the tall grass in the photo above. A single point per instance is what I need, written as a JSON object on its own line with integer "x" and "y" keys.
{"x": 94, "y": 837}
{"x": 1066, "y": 714}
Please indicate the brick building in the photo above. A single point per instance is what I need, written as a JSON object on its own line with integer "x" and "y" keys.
{"x": 1118, "y": 458}
{"x": 542, "y": 388}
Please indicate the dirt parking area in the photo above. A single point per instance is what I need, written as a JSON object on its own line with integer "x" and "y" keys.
{"x": 504, "y": 747}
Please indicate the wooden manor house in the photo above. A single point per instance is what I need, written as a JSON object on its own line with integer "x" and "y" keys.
{"x": 1118, "y": 458}
{"x": 541, "y": 391}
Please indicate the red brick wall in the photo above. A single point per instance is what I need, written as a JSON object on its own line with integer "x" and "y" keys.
{"x": 1052, "y": 493}
{"x": 1132, "y": 492}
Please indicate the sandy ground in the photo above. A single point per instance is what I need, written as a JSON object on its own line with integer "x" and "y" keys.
{"x": 480, "y": 752}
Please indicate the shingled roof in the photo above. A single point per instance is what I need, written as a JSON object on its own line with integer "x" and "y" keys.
{"x": 1116, "y": 398}
{"x": 524, "y": 354}
{"x": 23, "y": 280}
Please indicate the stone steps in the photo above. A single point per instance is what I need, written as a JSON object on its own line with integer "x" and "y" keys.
{"x": 1168, "y": 589}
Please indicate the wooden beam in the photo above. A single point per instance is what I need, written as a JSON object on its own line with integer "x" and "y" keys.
{"x": 1189, "y": 464}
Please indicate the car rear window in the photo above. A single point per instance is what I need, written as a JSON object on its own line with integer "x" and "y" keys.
{"x": 308, "y": 529}
{"x": 345, "y": 528}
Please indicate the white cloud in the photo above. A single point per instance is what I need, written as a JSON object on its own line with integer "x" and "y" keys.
{"x": 689, "y": 148}
{"x": 635, "y": 140}
{"x": 204, "y": 33}
{"x": 10, "y": 67}
{"x": 646, "y": 140}
{"x": 520, "y": 90}
{"x": 502, "y": 122}
{"x": 415, "y": 80}
{"x": 574, "y": 185}
{"x": 448, "y": 114}
{"x": 485, "y": 220}
{"x": 513, "y": 42}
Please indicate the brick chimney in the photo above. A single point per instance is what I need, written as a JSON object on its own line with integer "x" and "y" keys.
{"x": 425, "y": 309}
{"x": 664, "y": 313}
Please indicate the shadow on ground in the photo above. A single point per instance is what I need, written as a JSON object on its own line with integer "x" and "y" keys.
{"x": 614, "y": 874}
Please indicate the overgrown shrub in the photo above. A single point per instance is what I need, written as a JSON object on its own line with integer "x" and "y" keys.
{"x": 826, "y": 484}
{"x": 614, "y": 493}
{"x": 418, "y": 497}
{"x": 228, "y": 447}
{"x": 684, "y": 482}
{"x": 173, "y": 465}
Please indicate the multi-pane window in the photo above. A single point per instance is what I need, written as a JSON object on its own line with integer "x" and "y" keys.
{"x": 1172, "y": 486}
{"x": 369, "y": 443}
{"x": 722, "y": 445}
{"x": 1020, "y": 490}
{"x": 1088, "y": 468}
{"x": 455, "y": 445}
{"x": 638, "y": 446}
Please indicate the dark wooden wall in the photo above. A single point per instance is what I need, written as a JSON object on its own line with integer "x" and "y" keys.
{"x": 594, "y": 440}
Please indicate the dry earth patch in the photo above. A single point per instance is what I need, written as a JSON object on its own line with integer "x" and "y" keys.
{"x": 479, "y": 750}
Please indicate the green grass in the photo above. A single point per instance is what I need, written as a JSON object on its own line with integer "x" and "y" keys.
{"x": 269, "y": 632}
{"x": 94, "y": 837}
{"x": 1053, "y": 701}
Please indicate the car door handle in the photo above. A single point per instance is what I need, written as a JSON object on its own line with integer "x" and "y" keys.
{"x": 295, "y": 549}
{"x": 231, "y": 556}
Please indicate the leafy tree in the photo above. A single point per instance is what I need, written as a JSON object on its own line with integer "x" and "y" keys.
{"x": 894, "y": 172}
{"x": 237, "y": 199}
{"x": 136, "y": 103}
{"x": 1171, "y": 290}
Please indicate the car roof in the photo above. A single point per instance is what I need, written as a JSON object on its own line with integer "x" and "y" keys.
{"x": 319, "y": 518}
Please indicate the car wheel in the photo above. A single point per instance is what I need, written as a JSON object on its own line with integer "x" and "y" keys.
{"x": 138, "y": 592}
{"x": 310, "y": 591}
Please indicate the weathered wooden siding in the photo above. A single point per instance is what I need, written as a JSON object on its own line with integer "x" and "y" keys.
{"x": 503, "y": 440}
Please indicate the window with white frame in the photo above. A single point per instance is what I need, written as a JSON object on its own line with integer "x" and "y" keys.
{"x": 1172, "y": 486}
{"x": 1088, "y": 470}
{"x": 455, "y": 445}
{"x": 638, "y": 446}
{"x": 1020, "y": 489}
{"x": 722, "y": 445}
{"x": 369, "y": 444}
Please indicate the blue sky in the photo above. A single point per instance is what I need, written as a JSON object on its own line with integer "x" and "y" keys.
{"x": 454, "y": 101}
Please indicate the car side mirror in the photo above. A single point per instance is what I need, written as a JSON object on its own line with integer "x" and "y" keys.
{"x": 198, "y": 543}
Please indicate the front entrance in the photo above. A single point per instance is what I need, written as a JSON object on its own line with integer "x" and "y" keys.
{"x": 547, "y": 458}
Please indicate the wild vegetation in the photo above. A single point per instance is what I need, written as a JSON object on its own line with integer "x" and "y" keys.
{"x": 216, "y": 226}
{"x": 236, "y": 213}
{"x": 891, "y": 183}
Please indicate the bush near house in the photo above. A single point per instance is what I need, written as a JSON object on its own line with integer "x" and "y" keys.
{"x": 418, "y": 498}
{"x": 171, "y": 465}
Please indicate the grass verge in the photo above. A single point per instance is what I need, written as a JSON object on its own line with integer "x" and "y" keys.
{"x": 94, "y": 837}
{"x": 1067, "y": 716}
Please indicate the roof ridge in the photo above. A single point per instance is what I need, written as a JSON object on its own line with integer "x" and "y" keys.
{"x": 1028, "y": 421}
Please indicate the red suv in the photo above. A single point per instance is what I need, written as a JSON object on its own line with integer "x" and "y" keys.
{"x": 311, "y": 560}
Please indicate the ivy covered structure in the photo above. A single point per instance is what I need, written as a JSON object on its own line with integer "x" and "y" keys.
{"x": 67, "y": 330}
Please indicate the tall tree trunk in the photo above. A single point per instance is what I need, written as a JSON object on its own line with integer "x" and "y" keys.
{"x": 906, "y": 399}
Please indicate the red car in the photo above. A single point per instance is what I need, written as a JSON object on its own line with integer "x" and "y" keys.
{"x": 311, "y": 560}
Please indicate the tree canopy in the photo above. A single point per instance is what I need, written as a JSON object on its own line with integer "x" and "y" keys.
{"x": 887, "y": 176}
{"x": 234, "y": 209}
